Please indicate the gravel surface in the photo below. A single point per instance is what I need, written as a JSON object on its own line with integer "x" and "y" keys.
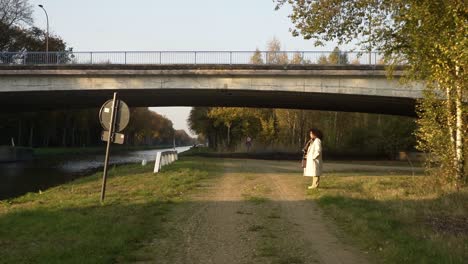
{"x": 256, "y": 212}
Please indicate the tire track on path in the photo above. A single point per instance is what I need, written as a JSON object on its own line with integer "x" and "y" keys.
{"x": 310, "y": 227}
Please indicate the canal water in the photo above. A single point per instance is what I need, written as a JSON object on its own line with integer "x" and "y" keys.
{"x": 17, "y": 178}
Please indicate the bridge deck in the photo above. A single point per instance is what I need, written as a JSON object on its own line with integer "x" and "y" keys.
{"x": 207, "y": 70}
{"x": 359, "y": 88}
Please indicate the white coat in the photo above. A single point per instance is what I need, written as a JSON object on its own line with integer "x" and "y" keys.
{"x": 314, "y": 159}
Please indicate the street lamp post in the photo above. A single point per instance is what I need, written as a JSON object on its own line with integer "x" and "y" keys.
{"x": 47, "y": 33}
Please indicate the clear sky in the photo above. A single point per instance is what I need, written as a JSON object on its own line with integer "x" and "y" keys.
{"x": 113, "y": 25}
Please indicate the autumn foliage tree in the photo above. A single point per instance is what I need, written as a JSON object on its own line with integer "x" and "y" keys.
{"x": 274, "y": 53}
{"x": 287, "y": 130}
{"x": 429, "y": 37}
{"x": 257, "y": 57}
{"x": 226, "y": 128}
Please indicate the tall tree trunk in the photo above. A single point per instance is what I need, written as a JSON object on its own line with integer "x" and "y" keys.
{"x": 303, "y": 137}
{"x": 335, "y": 121}
{"x": 19, "y": 133}
{"x": 88, "y": 138}
{"x": 450, "y": 112}
{"x": 293, "y": 138}
{"x": 31, "y": 135}
{"x": 459, "y": 142}
{"x": 229, "y": 135}
{"x": 73, "y": 139}
{"x": 64, "y": 137}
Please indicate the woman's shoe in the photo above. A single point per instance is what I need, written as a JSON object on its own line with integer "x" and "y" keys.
{"x": 311, "y": 187}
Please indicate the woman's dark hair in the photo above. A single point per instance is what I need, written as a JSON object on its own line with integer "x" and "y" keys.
{"x": 316, "y": 132}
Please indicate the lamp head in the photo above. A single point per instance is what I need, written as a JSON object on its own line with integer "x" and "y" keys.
{"x": 41, "y": 6}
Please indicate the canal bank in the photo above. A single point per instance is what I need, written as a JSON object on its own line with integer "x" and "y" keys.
{"x": 48, "y": 170}
{"x": 200, "y": 210}
{"x": 66, "y": 223}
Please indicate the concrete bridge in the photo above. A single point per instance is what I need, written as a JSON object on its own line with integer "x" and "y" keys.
{"x": 351, "y": 88}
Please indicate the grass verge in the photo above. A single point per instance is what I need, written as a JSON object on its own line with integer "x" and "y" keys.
{"x": 66, "y": 224}
{"x": 399, "y": 219}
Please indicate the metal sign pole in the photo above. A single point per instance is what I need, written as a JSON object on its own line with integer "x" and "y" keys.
{"x": 109, "y": 140}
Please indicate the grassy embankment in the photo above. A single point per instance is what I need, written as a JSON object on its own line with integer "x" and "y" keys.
{"x": 66, "y": 224}
{"x": 398, "y": 219}
{"x": 392, "y": 216}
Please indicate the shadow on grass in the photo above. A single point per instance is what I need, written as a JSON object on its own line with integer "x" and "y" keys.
{"x": 77, "y": 235}
{"x": 111, "y": 233}
{"x": 66, "y": 223}
{"x": 54, "y": 230}
{"x": 403, "y": 230}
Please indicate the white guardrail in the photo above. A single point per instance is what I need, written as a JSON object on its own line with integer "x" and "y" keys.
{"x": 164, "y": 158}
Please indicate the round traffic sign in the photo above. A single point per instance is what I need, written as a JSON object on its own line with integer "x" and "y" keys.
{"x": 122, "y": 116}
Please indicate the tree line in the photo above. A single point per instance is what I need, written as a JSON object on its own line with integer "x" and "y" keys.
{"x": 287, "y": 129}
{"x": 429, "y": 37}
{"x": 81, "y": 128}
{"x": 357, "y": 134}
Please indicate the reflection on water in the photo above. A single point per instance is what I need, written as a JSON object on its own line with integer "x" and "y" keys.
{"x": 17, "y": 178}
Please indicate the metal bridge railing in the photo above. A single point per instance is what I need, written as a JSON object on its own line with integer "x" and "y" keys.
{"x": 191, "y": 57}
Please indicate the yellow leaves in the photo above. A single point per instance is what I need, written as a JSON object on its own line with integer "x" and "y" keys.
{"x": 225, "y": 115}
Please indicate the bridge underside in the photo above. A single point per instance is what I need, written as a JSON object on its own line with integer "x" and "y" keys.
{"x": 350, "y": 88}
{"x": 50, "y": 100}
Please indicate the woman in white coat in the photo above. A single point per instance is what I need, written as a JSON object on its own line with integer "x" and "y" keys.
{"x": 313, "y": 156}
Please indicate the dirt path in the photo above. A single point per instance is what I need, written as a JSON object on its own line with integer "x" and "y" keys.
{"x": 215, "y": 235}
{"x": 309, "y": 228}
{"x": 251, "y": 214}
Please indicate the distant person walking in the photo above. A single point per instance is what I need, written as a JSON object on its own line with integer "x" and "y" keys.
{"x": 248, "y": 143}
{"x": 313, "y": 158}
